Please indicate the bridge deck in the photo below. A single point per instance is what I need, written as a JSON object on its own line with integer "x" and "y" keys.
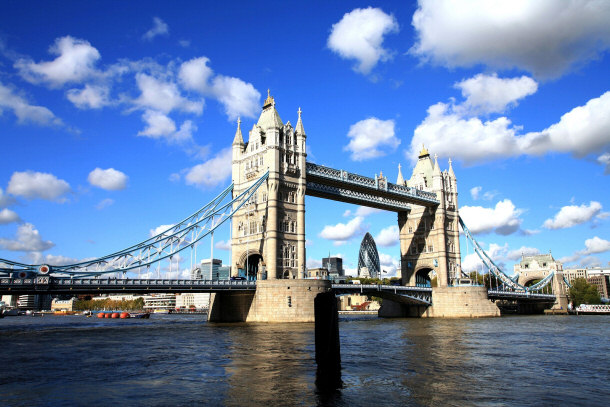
{"x": 412, "y": 295}
{"x": 520, "y": 295}
{"x": 50, "y": 285}
{"x": 339, "y": 185}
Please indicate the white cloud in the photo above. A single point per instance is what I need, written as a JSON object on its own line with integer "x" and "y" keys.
{"x": 163, "y": 96}
{"x": 475, "y": 193}
{"x": 342, "y": 232}
{"x": 90, "y": 97}
{"x": 545, "y": 37}
{"x": 515, "y": 255}
{"x": 604, "y": 159}
{"x": 490, "y": 94}
{"x": 27, "y": 240}
{"x": 582, "y": 131}
{"x": 104, "y": 203}
{"x": 195, "y": 74}
{"x": 37, "y": 185}
{"x": 363, "y": 211}
{"x": 371, "y": 138}
{"x": 388, "y": 236}
{"x": 159, "y": 229}
{"x": 7, "y": 216}
{"x": 75, "y": 62}
{"x": 109, "y": 179}
{"x": 388, "y": 263}
{"x": 222, "y": 245}
{"x": 313, "y": 263}
{"x": 497, "y": 253}
{"x": 159, "y": 28}
{"x": 24, "y": 111}
{"x": 308, "y": 243}
{"x": 238, "y": 97}
{"x": 6, "y": 200}
{"x": 54, "y": 260}
{"x": 359, "y": 35}
{"x": 503, "y": 219}
{"x": 573, "y": 215}
{"x": 596, "y": 245}
{"x": 158, "y": 124}
{"x": 212, "y": 172}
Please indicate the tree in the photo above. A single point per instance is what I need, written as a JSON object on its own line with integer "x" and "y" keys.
{"x": 582, "y": 292}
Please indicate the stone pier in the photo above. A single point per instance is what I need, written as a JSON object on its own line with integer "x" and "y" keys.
{"x": 274, "y": 301}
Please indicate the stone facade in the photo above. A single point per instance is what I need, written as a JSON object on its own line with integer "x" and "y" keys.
{"x": 268, "y": 233}
{"x": 429, "y": 237}
{"x": 277, "y": 300}
{"x": 537, "y": 267}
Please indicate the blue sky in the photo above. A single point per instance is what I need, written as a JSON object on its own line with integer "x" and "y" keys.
{"x": 115, "y": 117}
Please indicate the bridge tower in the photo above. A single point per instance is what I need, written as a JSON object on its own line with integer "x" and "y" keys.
{"x": 429, "y": 236}
{"x": 268, "y": 233}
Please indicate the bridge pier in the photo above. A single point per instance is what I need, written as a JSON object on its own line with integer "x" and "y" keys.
{"x": 274, "y": 301}
{"x": 447, "y": 302}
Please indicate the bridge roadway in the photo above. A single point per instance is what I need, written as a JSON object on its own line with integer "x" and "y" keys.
{"x": 53, "y": 285}
{"x": 343, "y": 186}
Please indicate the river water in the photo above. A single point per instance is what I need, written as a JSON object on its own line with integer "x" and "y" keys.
{"x": 176, "y": 360}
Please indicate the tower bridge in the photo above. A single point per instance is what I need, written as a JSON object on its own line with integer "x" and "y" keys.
{"x": 266, "y": 205}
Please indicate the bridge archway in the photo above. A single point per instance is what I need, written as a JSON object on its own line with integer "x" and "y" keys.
{"x": 422, "y": 277}
{"x": 252, "y": 265}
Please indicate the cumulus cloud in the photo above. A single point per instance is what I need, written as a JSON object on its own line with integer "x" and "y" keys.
{"x": 24, "y": 111}
{"x": 52, "y": 259}
{"x": 371, "y": 138}
{"x": 582, "y": 131}
{"x": 90, "y": 97}
{"x": 596, "y": 245}
{"x": 389, "y": 264}
{"x": 314, "y": 263}
{"x": 109, "y": 179}
{"x": 604, "y": 159}
{"x": 573, "y": 215}
{"x": 497, "y": 253}
{"x": 104, "y": 203}
{"x": 490, "y": 94}
{"x": 27, "y": 239}
{"x": 503, "y": 219}
{"x": 342, "y": 232}
{"x": 359, "y": 35}
{"x": 475, "y": 193}
{"x": 515, "y": 255}
{"x": 363, "y": 211}
{"x": 158, "y": 124}
{"x": 38, "y": 185}
{"x": 544, "y": 37}
{"x": 159, "y": 28}
{"x": 223, "y": 245}
{"x": 159, "y": 229}
{"x": 163, "y": 96}
{"x": 195, "y": 74}
{"x": 238, "y": 97}
{"x": 212, "y": 172}
{"x": 7, "y": 216}
{"x": 6, "y": 200}
{"x": 388, "y": 236}
{"x": 75, "y": 62}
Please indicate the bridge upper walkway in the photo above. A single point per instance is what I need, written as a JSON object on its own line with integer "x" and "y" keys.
{"x": 343, "y": 186}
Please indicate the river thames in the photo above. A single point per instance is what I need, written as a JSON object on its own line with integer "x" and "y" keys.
{"x": 176, "y": 360}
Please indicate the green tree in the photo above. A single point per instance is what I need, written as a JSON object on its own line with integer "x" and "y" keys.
{"x": 582, "y": 292}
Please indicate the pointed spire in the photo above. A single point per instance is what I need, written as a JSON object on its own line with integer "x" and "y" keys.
{"x": 424, "y": 152}
{"x": 238, "y": 137}
{"x": 451, "y": 173}
{"x": 399, "y": 180}
{"x": 437, "y": 169}
{"x": 299, "y": 129}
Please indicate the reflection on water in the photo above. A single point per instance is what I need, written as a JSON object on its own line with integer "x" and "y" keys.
{"x": 183, "y": 360}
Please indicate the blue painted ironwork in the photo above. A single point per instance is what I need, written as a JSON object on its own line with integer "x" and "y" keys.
{"x": 369, "y": 186}
{"x": 508, "y": 283}
{"x": 181, "y": 236}
{"x": 414, "y": 295}
{"x": 63, "y": 285}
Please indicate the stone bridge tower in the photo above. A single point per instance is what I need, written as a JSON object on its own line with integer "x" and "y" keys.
{"x": 268, "y": 233}
{"x": 429, "y": 237}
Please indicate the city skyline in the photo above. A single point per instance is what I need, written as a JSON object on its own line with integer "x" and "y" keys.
{"x": 118, "y": 121}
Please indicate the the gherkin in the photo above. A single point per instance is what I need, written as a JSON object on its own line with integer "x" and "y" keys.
{"x": 368, "y": 257}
